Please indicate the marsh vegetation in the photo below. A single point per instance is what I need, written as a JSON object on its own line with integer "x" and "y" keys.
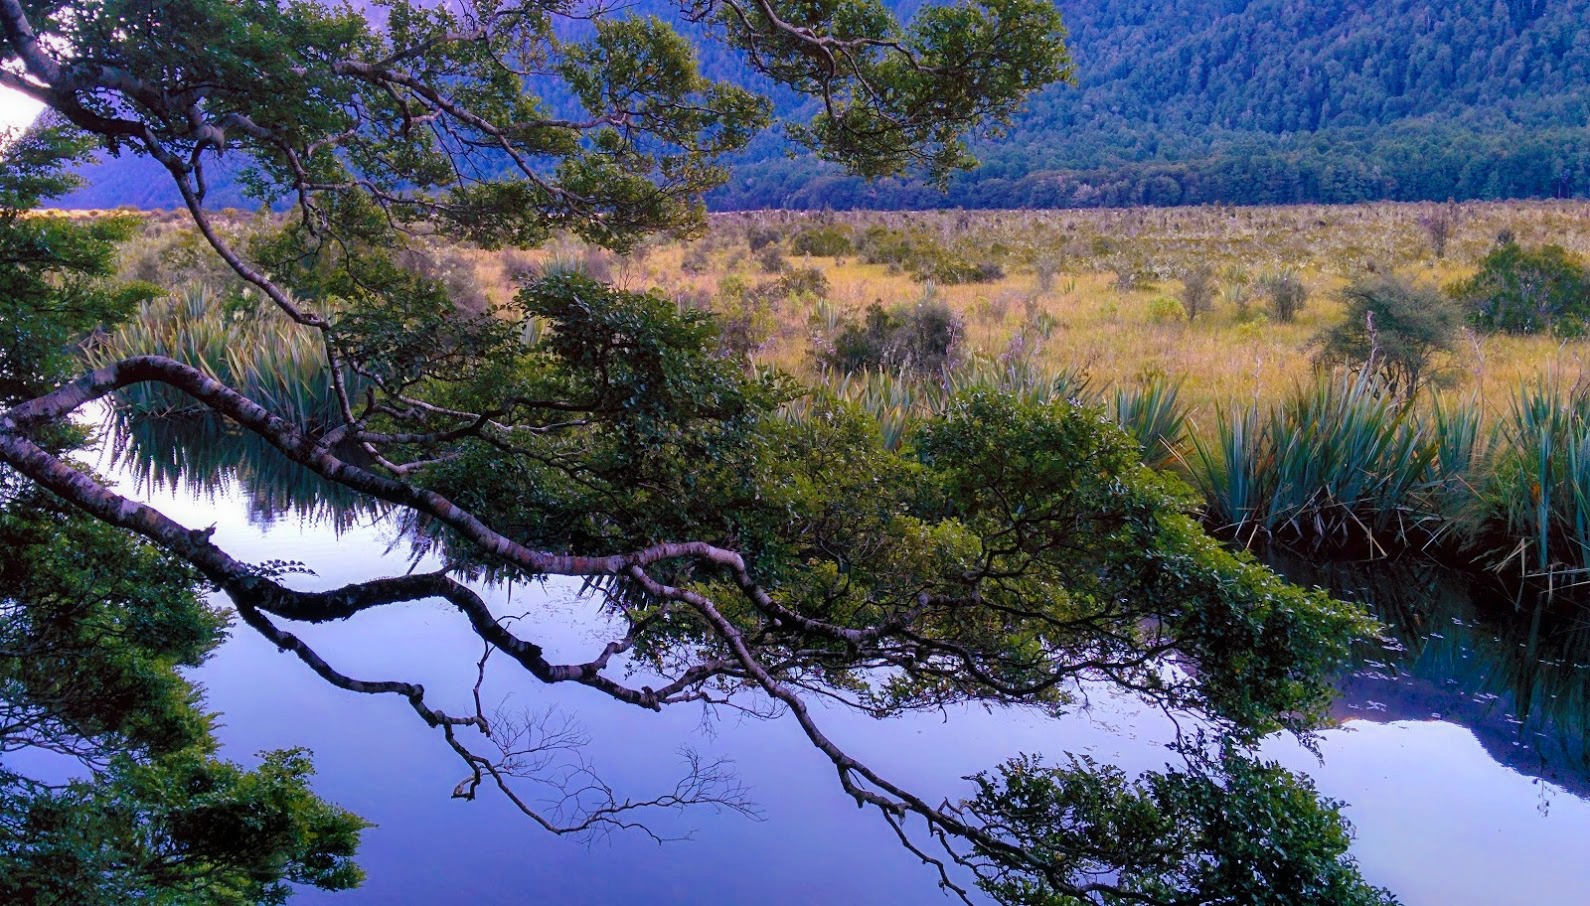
{"x": 1372, "y": 379}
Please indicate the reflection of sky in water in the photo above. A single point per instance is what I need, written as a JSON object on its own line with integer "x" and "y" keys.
{"x": 1438, "y": 819}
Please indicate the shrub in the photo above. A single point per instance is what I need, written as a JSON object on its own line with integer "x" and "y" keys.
{"x": 1395, "y": 330}
{"x": 1286, "y": 294}
{"x": 745, "y": 317}
{"x": 930, "y": 338}
{"x": 760, "y": 237}
{"x": 1519, "y": 290}
{"x": 826, "y": 241}
{"x": 881, "y": 245}
{"x": 1198, "y": 290}
{"x": 950, "y": 268}
{"x": 771, "y": 259}
{"x": 924, "y": 338}
{"x": 1165, "y": 310}
{"x": 858, "y": 347}
{"x": 926, "y": 258}
{"x": 803, "y": 281}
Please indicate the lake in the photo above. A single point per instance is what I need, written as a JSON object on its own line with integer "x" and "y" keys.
{"x": 1461, "y": 746}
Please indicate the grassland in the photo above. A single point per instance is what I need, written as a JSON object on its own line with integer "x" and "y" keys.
{"x": 1064, "y": 304}
{"x": 1492, "y": 465}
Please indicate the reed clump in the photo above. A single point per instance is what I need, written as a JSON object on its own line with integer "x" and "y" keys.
{"x": 1344, "y": 462}
{"x": 276, "y": 364}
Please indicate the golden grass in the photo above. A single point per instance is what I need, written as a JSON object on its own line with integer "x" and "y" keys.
{"x": 1082, "y": 320}
{"x": 1075, "y": 317}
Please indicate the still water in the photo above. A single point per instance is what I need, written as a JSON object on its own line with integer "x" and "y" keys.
{"x": 1461, "y": 748}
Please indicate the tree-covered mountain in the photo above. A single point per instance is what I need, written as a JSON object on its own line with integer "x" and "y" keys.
{"x": 1236, "y": 101}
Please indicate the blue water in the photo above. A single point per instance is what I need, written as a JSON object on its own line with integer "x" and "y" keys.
{"x": 1455, "y": 800}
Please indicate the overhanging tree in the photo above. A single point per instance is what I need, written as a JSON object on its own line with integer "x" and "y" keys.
{"x": 1011, "y": 552}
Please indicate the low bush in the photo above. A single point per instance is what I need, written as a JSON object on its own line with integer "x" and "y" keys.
{"x": 825, "y": 241}
{"x": 924, "y": 338}
{"x": 926, "y": 258}
{"x": 1286, "y": 293}
{"x": 1395, "y": 330}
{"x": 1165, "y": 310}
{"x": 1519, "y": 290}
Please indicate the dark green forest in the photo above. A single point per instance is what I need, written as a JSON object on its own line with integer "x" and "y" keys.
{"x": 1221, "y": 101}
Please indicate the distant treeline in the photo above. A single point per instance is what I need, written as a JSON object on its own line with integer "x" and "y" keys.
{"x": 1408, "y": 162}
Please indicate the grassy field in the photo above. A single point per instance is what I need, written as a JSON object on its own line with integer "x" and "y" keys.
{"x": 1494, "y": 466}
{"x": 1090, "y": 290}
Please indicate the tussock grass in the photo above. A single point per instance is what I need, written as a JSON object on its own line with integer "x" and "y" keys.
{"x": 277, "y": 364}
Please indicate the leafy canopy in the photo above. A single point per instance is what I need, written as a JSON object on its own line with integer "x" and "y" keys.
{"x": 1519, "y": 290}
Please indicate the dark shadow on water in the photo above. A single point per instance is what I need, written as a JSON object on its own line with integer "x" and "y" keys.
{"x": 1511, "y": 665}
{"x": 207, "y": 457}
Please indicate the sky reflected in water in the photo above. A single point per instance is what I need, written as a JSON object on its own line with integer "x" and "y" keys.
{"x": 1439, "y": 819}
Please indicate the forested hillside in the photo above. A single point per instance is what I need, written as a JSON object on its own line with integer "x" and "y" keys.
{"x": 1237, "y": 101}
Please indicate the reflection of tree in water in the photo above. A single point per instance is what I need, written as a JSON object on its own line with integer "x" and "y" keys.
{"x": 1513, "y": 667}
{"x": 1071, "y": 830}
{"x": 206, "y": 456}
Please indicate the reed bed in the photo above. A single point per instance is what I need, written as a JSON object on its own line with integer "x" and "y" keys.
{"x": 278, "y": 365}
{"x": 1082, "y": 305}
{"x": 1342, "y": 463}
{"x": 1338, "y": 465}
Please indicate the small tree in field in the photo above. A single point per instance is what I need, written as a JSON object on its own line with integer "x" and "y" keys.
{"x": 1440, "y": 224}
{"x": 755, "y": 541}
{"x": 1197, "y": 290}
{"x": 1520, "y": 290}
{"x": 1394, "y": 329}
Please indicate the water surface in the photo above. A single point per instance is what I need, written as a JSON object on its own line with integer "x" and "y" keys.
{"x": 1461, "y": 747}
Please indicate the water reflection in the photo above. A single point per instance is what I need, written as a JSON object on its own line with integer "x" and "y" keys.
{"x": 1463, "y": 751}
{"x": 1512, "y": 666}
{"x": 207, "y": 457}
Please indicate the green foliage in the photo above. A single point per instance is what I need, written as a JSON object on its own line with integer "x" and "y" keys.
{"x": 1519, "y": 290}
{"x": 656, "y": 410}
{"x": 1153, "y": 416}
{"x": 1338, "y": 459}
{"x": 963, "y": 68}
{"x": 925, "y": 257}
{"x": 94, "y": 628}
{"x": 1267, "y": 103}
{"x": 1226, "y": 828}
{"x": 1395, "y": 330}
{"x": 276, "y": 365}
{"x": 1466, "y": 99}
{"x": 1165, "y": 310}
{"x": 825, "y": 240}
{"x": 184, "y": 829}
{"x": 55, "y": 272}
{"x": 923, "y": 338}
{"x": 1536, "y": 490}
{"x": 1109, "y": 544}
